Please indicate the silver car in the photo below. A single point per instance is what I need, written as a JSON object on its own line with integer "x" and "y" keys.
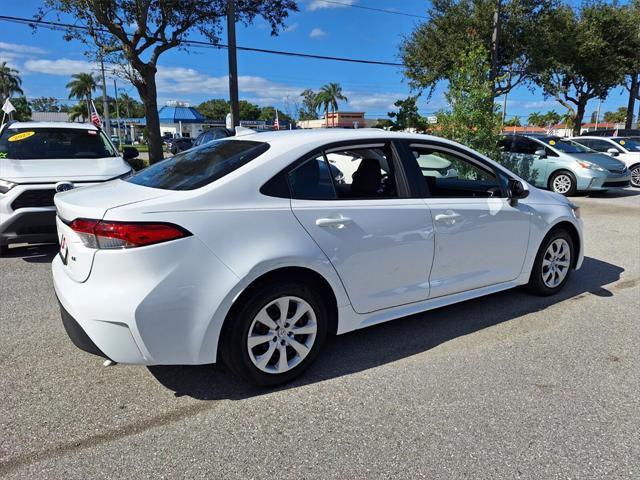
{"x": 562, "y": 165}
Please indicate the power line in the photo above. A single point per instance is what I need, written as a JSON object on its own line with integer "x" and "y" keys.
{"x": 59, "y": 26}
{"x": 380, "y": 10}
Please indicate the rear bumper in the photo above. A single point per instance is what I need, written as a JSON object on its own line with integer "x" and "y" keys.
{"x": 77, "y": 335}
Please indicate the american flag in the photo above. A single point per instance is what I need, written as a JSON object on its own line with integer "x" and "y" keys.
{"x": 95, "y": 118}
{"x": 276, "y": 124}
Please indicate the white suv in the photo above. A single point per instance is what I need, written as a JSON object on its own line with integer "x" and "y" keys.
{"x": 39, "y": 159}
{"x": 627, "y": 150}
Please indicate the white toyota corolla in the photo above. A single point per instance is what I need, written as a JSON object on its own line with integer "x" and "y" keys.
{"x": 254, "y": 248}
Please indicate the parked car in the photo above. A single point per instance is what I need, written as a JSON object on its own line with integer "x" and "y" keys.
{"x": 211, "y": 134}
{"x": 613, "y": 132}
{"x": 180, "y": 144}
{"x": 38, "y": 159}
{"x": 627, "y": 150}
{"x": 247, "y": 249}
{"x": 562, "y": 165}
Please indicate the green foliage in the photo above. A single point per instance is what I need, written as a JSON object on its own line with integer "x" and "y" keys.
{"x": 130, "y": 107}
{"x": 269, "y": 114}
{"x": 512, "y": 122}
{"x": 45, "y": 104}
{"x": 308, "y": 109}
{"x": 23, "y": 111}
{"x": 618, "y": 116}
{"x": 78, "y": 112}
{"x": 216, "y": 108}
{"x": 81, "y": 86}
{"x": 544, "y": 119}
{"x": 431, "y": 52}
{"x": 328, "y": 98}
{"x": 407, "y": 116}
{"x": 584, "y": 54}
{"x": 10, "y": 81}
{"x": 471, "y": 118}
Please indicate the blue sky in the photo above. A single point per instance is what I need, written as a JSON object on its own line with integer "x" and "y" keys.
{"x": 46, "y": 61}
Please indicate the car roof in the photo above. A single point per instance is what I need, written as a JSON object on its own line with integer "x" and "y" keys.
{"x": 73, "y": 125}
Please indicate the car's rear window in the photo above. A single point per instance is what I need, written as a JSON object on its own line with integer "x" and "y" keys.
{"x": 46, "y": 143}
{"x": 199, "y": 166}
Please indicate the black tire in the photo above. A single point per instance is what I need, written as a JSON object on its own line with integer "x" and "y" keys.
{"x": 635, "y": 170}
{"x": 234, "y": 349}
{"x": 573, "y": 184}
{"x": 536, "y": 283}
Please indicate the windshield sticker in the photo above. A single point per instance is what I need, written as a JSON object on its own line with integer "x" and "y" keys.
{"x": 20, "y": 136}
{"x": 3, "y": 154}
{"x": 552, "y": 142}
{"x": 621, "y": 142}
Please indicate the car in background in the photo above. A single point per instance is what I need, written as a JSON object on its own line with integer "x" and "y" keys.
{"x": 250, "y": 251}
{"x": 212, "y": 134}
{"x": 562, "y": 165}
{"x": 39, "y": 159}
{"x": 627, "y": 150}
{"x": 181, "y": 144}
{"x": 613, "y": 132}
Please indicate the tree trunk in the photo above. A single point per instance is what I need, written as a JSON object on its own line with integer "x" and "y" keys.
{"x": 148, "y": 95}
{"x": 633, "y": 93}
{"x": 582, "y": 105}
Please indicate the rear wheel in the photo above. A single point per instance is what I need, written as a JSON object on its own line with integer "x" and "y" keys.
{"x": 563, "y": 182}
{"x": 553, "y": 263}
{"x": 635, "y": 175}
{"x": 275, "y": 334}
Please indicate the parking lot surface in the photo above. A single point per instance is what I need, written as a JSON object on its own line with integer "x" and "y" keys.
{"x": 507, "y": 386}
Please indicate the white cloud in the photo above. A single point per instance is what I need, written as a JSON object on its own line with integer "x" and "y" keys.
{"x": 22, "y": 49}
{"x": 317, "y": 33}
{"x": 320, "y": 4}
{"x": 61, "y": 66}
{"x": 373, "y": 101}
{"x": 292, "y": 28}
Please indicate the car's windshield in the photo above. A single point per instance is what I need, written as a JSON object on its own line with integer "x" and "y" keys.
{"x": 565, "y": 146}
{"x": 36, "y": 143}
{"x": 628, "y": 143}
{"x": 199, "y": 166}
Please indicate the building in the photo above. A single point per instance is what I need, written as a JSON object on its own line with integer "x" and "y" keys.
{"x": 339, "y": 119}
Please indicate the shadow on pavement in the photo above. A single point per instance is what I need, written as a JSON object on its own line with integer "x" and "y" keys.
{"x": 38, "y": 253}
{"x": 388, "y": 342}
{"x": 615, "y": 193}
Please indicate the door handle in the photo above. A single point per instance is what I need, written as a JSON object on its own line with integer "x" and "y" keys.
{"x": 448, "y": 217}
{"x": 339, "y": 222}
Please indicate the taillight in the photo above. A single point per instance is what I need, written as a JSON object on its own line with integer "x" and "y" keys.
{"x": 101, "y": 234}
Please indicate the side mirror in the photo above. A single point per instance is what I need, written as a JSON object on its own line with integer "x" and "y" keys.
{"x": 516, "y": 191}
{"x": 541, "y": 153}
{"x": 613, "y": 152}
{"x": 129, "y": 153}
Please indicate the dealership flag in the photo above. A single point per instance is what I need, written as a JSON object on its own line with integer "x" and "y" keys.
{"x": 95, "y": 118}
{"x": 8, "y": 107}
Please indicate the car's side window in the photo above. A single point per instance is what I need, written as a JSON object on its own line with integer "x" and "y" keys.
{"x": 362, "y": 172}
{"x": 601, "y": 145}
{"x": 311, "y": 180}
{"x": 525, "y": 146}
{"x": 452, "y": 175}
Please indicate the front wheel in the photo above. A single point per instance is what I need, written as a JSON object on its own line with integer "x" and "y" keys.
{"x": 552, "y": 264}
{"x": 275, "y": 334}
{"x": 635, "y": 175}
{"x": 564, "y": 183}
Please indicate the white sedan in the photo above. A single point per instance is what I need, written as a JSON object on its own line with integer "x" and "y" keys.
{"x": 253, "y": 249}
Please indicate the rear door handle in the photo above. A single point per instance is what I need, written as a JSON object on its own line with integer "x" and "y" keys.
{"x": 448, "y": 217}
{"x": 339, "y": 222}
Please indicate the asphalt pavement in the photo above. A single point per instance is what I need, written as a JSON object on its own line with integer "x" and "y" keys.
{"x": 507, "y": 386}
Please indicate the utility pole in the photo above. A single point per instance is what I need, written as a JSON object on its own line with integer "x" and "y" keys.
{"x": 495, "y": 39}
{"x": 233, "y": 64}
{"x": 115, "y": 86}
{"x": 598, "y": 113}
{"x": 105, "y": 103}
{"x": 504, "y": 109}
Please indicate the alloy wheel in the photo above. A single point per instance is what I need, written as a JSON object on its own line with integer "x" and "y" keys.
{"x": 282, "y": 334}
{"x": 635, "y": 176}
{"x": 562, "y": 183}
{"x": 556, "y": 262}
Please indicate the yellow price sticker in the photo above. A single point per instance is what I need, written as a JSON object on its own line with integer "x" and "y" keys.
{"x": 552, "y": 142}
{"x": 20, "y": 136}
{"x": 621, "y": 142}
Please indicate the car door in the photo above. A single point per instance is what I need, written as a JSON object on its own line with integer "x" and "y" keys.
{"x": 532, "y": 167}
{"x": 480, "y": 238}
{"x": 379, "y": 240}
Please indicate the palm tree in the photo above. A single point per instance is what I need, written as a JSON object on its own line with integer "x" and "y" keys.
{"x": 328, "y": 96}
{"x": 79, "y": 110}
{"x": 10, "y": 81}
{"x": 81, "y": 86}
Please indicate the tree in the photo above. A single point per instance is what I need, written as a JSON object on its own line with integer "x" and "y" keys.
{"x": 248, "y": 110}
{"x": 513, "y": 122}
{"x": 633, "y": 83}
{"x": 23, "y": 110}
{"x": 130, "y": 107}
{"x": 431, "y": 52}
{"x": 45, "y": 104}
{"x": 583, "y": 55}
{"x": 216, "y": 108}
{"x": 10, "y": 81}
{"x": 135, "y": 33}
{"x": 309, "y": 108}
{"x": 81, "y": 87}
{"x": 269, "y": 114}
{"x": 535, "y": 118}
{"x": 472, "y": 118}
{"x": 407, "y": 116}
{"x": 328, "y": 97}
{"x": 78, "y": 111}
{"x": 619, "y": 116}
